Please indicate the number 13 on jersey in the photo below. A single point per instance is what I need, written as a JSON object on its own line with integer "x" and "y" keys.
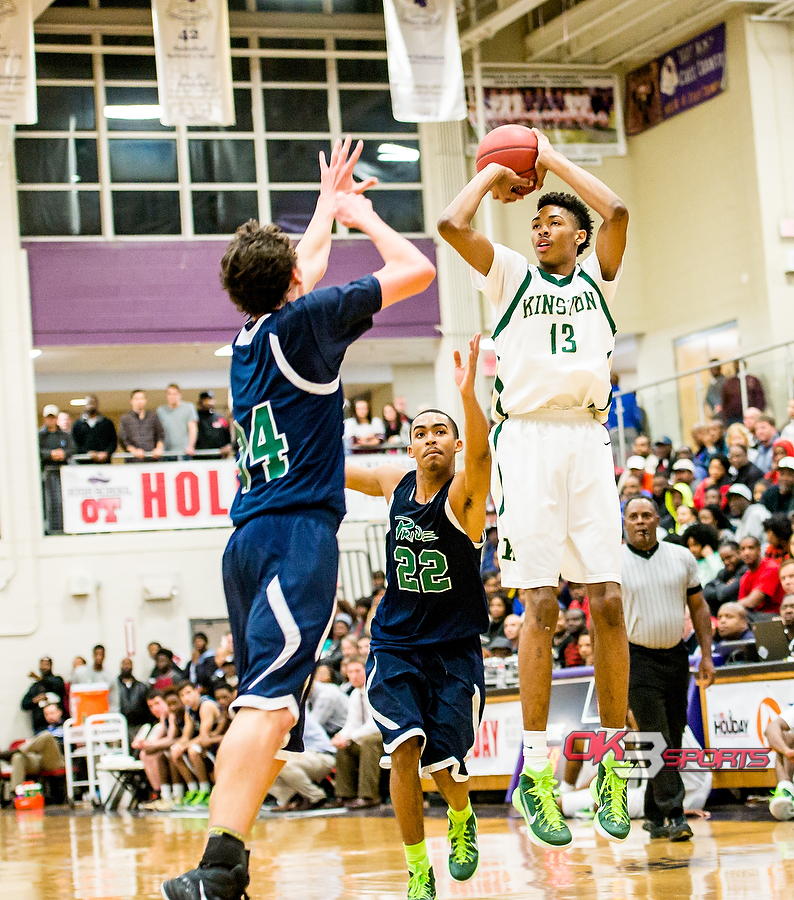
{"x": 264, "y": 446}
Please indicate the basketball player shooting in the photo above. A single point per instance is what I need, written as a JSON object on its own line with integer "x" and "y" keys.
{"x": 280, "y": 565}
{"x": 425, "y": 678}
{"x": 553, "y": 477}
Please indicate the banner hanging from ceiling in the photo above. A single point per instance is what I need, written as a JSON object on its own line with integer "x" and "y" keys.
{"x": 17, "y": 63}
{"x": 425, "y": 68}
{"x": 194, "y": 64}
{"x": 686, "y": 76}
{"x": 580, "y": 114}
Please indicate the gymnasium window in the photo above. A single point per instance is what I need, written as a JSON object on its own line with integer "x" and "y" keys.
{"x": 83, "y": 174}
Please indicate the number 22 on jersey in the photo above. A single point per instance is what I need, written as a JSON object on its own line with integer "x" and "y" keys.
{"x": 264, "y": 446}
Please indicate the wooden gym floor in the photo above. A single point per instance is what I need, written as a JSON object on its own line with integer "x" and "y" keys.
{"x": 65, "y": 855}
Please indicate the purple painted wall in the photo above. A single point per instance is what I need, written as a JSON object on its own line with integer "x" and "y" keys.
{"x": 168, "y": 292}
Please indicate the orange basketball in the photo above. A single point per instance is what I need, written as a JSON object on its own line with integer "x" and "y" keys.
{"x": 513, "y": 146}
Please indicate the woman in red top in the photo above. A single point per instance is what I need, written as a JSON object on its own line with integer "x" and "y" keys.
{"x": 719, "y": 477}
{"x": 780, "y": 450}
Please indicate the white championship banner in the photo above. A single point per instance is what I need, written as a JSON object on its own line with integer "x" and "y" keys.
{"x": 738, "y": 712}
{"x": 17, "y": 63}
{"x": 425, "y": 68}
{"x": 194, "y": 63}
{"x": 147, "y": 496}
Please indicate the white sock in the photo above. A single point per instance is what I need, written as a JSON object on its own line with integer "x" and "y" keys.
{"x": 179, "y": 791}
{"x": 165, "y": 791}
{"x": 535, "y": 750}
{"x": 192, "y": 786}
{"x": 204, "y": 787}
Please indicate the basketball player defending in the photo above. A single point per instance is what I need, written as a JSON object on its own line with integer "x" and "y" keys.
{"x": 425, "y": 681}
{"x": 280, "y": 565}
{"x": 553, "y": 479}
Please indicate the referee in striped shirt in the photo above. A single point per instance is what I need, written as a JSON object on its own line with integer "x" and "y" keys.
{"x": 659, "y": 582}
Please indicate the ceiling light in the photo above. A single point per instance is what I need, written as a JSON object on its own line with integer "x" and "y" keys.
{"x": 78, "y": 401}
{"x": 136, "y": 111}
{"x": 397, "y": 153}
{"x": 224, "y": 351}
{"x": 34, "y": 353}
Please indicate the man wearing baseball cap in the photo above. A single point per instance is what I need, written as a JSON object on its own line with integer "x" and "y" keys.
{"x": 748, "y": 517}
{"x": 684, "y": 471}
{"x": 663, "y": 451}
{"x": 56, "y": 448}
{"x": 780, "y": 497}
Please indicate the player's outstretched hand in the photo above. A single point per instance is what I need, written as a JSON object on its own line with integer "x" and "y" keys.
{"x": 337, "y": 175}
{"x": 509, "y": 187}
{"x": 353, "y": 210}
{"x": 464, "y": 375}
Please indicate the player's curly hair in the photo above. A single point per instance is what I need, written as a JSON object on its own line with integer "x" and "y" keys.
{"x": 256, "y": 268}
{"x": 578, "y": 210}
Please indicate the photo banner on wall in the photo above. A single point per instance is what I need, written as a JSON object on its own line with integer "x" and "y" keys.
{"x": 17, "y": 63}
{"x": 425, "y": 68}
{"x": 684, "y": 77}
{"x": 580, "y": 114}
{"x": 194, "y": 63}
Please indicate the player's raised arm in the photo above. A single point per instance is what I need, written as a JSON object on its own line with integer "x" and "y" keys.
{"x": 406, "y": 271}
{"x": 336, "y": 176}
{"x": 378, "y": 482}
{"x": 611, "y": 238}
{"x": 471, "y": 485}
{"x": 455, "y": 222}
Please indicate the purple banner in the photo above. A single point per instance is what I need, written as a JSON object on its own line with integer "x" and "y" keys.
{"x": 672, "y": 83}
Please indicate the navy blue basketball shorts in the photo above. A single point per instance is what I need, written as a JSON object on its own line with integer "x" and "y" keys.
{"x": 435, "y": 693}
{"x": 279, "y": 575}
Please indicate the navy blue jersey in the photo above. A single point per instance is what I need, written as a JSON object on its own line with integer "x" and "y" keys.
{"x": 434, "y": 592}
{"x": 288, "y": 400}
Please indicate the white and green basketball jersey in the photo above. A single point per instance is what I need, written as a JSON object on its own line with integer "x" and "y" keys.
{"x": 554, "y": 336}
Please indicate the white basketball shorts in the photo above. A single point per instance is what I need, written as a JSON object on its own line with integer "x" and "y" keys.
{"x": 554, "y": 489}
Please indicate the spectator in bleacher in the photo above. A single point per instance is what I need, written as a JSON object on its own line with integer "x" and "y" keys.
{"x": 747, "y": 517}
{"x": 325, "y": 674}
{"x": 140, "y": 430}
{"x": 359, "y": 747}
{"x": 715, "y": 438}
{"x": 164, "y": 674}
{"x": 213, "y": 432}
{"x": 716, "y": 518}
{"x": 703, "y": 542}
{"x": 43, "y": 752}
{"x": 361, "y": 429}
{"x": 498, "y": 610}
{"x": 401, "y": 406}
{"x": 765, "y": 436}
{"x": 642, "y": 447}
{"x": 132, "y": 698}
{"x": 679, "y": 495}
{"x": 202, "y": 664}
{"x": 732, "y": 623}
{"x": 513, "y": 630}
{"x": 787, "y": 603}
{"x": 739, "y": 434}
{"x": 363, "y": 644}
{"x": 56, "y": 446}
{"x": 749, "y": 419}
{"x": 77, "y": 663}
{"x": 568, "y": 648}
{"x": 663, "y": 451}
{"x": 94, "y": 434}
{"x": 378, "y": 580}
{"x": 329, "y": 705}
{"x": 732, "y": 396}
{"x": 700, "y": 454}
{"x": 747, "y": 473}
{"x": 585, "y": 647}
{"x": 179, "y": 421}
{"x": 332, "y": 651}
{"x": 787, "y": 432}
{"x": 779, "y": 498}
{"x": 395, "y": 430}
{"x": 780, "y": 450}
{"x": 359, "y": 628}
{"x": 44, "y": 683}
{"x": 99, "y": 673}
{"x": 760, "y": 589}
{"x": 778, "y": 535}
{"x": 303, "y": 773}
{"x": 683, "y": 470}
{"x": 632, "y": 418}
{"x": 489, "y": 563}
{"x": 719, "y": 477}
{"x": 714, "y": 392}
{"x": 725, "y": 587}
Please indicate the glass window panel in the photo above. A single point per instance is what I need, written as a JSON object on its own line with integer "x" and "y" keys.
{"x": 243, "y": 114}
{"x": 56, "y": 161}
{"x": 400, "y": 209}
{"x": 302, "y": 70}
{"x": 146, "y": 212}
{"x": 64, "y": 65}
{"x": 222, "y": 161}
{"x": 46, "y": 38}
{"x": 292, "y": 210}
{"x": 363, "y": 71}
{"x": 358, "y": 44}
{"x": 134, "y": 160}
{"x": 62, "y": 3}
{"x": 240, "y": 5}
{"x": 64, "y": 109}
{"x": 295, "y": 161}
{"x": 369, "y": 111}
{"x": 295, "y": 110}
{"x": 302, "y": 6}
{"x": 357, "y": 6}
{"x": 222, "y": 212}
{"x": 135, "y": 4}
{"x": 378, "y": 159}
{"x": 128, "y": 40}
{"x": 134, "y": 96}
{"x": 58, "y": 213}
{"x": 130, "y": 68}
{"x": 280, "y": 43}
{"x": 241, "y": 68}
